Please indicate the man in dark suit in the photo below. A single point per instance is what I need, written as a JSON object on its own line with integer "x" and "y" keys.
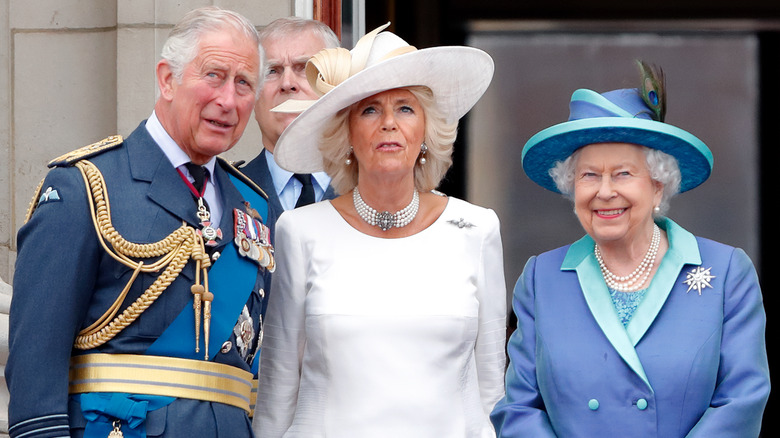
{"x": 287, "y": 43}
{"x": 141, "y": 267}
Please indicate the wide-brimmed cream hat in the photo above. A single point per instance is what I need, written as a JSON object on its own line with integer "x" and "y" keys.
{"x": 380, "y": 61}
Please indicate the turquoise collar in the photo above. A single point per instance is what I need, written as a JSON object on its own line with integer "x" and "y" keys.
{"x": 683, "y": 250}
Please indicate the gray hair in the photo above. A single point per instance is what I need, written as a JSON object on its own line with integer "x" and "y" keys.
{"x": 288, "y": 26}
{"x": 439, "y": 137}
{"x": 663, "y": 169}
{"x": 181, "y": 47}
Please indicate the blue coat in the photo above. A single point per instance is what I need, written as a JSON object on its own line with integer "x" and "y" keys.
{"x": 65, "y": 280}
{"x": 688, "y": 363}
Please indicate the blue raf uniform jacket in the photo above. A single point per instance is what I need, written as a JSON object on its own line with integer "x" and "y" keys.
{"x": 688, "y": 363}
{"x": 65, "y": 280}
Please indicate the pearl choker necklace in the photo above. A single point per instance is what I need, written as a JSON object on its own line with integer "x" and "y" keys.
{"x": 638, "y": 278}
{"x": 386, "y": 220}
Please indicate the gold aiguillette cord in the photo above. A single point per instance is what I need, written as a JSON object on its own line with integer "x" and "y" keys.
{"x": 202, "y": 298}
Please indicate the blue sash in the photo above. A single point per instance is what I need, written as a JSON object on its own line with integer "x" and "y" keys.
{"x": 255, "y": 200}
{"x": 261, "y": 205}
{"x": 231, "y": 279}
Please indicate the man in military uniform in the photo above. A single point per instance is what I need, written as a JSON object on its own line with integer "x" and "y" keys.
{"x": 139, "y": 280}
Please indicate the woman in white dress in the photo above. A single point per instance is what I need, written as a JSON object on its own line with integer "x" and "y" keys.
{"x": 384, "y": 324}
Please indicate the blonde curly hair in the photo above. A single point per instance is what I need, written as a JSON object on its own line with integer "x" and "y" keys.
{"x": 439, "y": 137}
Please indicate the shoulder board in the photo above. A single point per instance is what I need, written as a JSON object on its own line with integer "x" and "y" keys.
{"x": 87, "y": 151}
{"x": 233, "y": 170}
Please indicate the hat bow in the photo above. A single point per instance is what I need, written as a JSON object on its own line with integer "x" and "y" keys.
{"x": 330, "y": 67}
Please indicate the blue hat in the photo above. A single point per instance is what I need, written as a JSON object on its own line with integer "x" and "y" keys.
{"x": 619, "y": 116}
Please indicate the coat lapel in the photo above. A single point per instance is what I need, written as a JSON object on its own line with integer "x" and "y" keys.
{"x": 580, "y": 257}
{"x": 165, "y": 185}
{"x": 683, "y": 250}
{"x": 330, "y": 193}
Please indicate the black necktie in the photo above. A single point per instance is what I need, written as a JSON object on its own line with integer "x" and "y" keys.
{"x": 307, "y": 192}
{"x": 199, "y": 174}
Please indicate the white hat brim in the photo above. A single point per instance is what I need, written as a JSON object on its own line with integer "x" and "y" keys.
{"x": 457, "y": 75}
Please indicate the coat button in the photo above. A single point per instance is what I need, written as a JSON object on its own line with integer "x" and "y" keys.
{"x": 641, "y": 404}
{"x": 226, "y": 347}
{"x": 593, "y": 404}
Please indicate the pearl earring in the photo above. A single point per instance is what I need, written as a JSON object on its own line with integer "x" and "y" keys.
{"x": 348, "y": 161}
{"x": 423, "y": 150}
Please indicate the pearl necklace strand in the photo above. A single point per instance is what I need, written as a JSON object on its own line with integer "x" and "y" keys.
{"x": 638, "y": 278}
{"x": 386, "y": 220}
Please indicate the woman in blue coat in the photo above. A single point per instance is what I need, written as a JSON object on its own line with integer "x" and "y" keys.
{"x": 639, "y": 327}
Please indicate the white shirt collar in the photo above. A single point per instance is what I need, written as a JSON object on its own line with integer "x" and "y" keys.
{"x": 282, "y": 177}
{"x": 175, "y": 154}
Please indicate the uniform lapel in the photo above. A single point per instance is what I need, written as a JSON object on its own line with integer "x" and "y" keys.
{"x": 165, "y": 185}
{"x": 580, "y": 257}
{"x": 231, "y": 199}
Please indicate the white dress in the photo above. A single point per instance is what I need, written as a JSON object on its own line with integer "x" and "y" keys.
{"x": 370, "y": 337}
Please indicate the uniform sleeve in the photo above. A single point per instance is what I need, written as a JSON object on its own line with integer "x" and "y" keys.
{"x": 742, "y": 389}
{"x": 491, "y": 338}
{"x": 57, "y": 261}
{"x": 521, "y": 412}
{"x": 284, "y": 337}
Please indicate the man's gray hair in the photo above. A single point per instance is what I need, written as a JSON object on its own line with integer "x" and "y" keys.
{"x": 181, "y": 47}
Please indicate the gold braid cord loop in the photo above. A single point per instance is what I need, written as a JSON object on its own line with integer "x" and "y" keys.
{"x": 171, "y": 253}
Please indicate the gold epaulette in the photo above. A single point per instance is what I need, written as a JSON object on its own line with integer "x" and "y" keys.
{"x": 68, "y": 160}
{"x": 87, "y": 151}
